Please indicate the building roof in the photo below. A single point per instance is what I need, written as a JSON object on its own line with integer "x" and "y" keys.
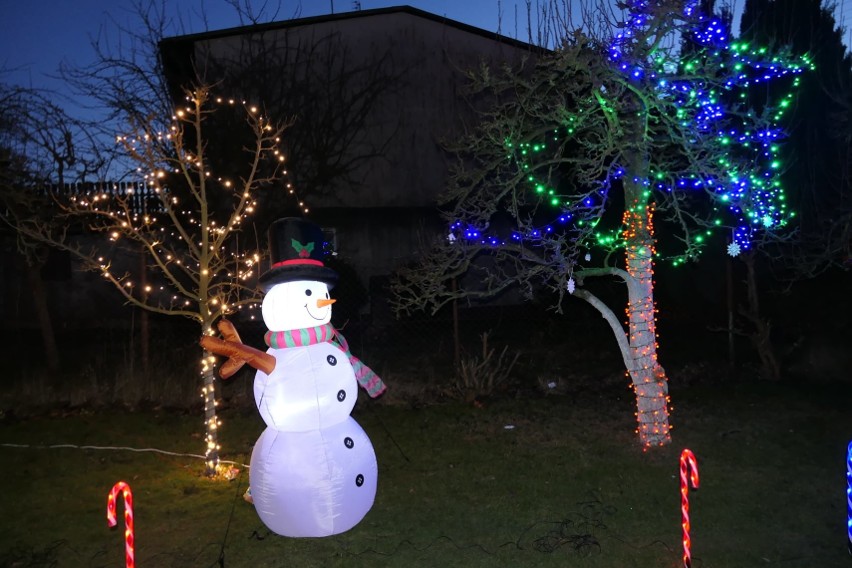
{"x": 285, "y": 24}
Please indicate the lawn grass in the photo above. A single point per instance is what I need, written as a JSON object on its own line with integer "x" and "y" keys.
{"x": 529, "y": 481}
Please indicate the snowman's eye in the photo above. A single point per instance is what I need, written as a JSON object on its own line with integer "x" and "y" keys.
{"x": 308, "y": 292}
{"x": 326, "y": 296}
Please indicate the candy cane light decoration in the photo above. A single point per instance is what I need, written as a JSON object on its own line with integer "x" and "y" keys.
{"x": 688, "y": 478}
{"x": 128, "y": 517}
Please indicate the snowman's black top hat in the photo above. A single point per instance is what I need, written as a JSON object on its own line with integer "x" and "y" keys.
{"x": 296, "y": 253}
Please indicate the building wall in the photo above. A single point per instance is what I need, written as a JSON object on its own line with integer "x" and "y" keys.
{"x": 385, "y": 210}
{"x": 423, "y": 108}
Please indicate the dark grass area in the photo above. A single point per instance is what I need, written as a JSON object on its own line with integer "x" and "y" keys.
{"x": 566, "y": 485}
{"x": 544, "y": 470}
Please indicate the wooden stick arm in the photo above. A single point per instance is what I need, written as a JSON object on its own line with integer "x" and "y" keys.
{"x": 228, "y": 331}
{"x": 238, "y": 354}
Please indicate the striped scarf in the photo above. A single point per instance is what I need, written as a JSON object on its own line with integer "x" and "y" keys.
{"x": 365, "y": 376}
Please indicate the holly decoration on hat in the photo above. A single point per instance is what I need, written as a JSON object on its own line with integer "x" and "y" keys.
{"x": 303, "y": 250}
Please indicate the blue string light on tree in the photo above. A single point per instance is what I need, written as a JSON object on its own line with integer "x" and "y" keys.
{"x": 645, "y": 128}
{"x": 707, "y": 92}
{"x": 849, "y": 497}
{"x": 751, "y": 191}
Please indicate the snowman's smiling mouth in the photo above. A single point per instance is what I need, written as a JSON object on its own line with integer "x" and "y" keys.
{"x": 324, "y": 307}
{"x": 307, "y": 309}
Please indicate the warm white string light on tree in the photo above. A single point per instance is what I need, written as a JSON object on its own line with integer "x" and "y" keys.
{"x": 186, "y": 218}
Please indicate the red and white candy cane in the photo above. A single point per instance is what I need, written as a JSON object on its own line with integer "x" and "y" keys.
{"x": 688, "y": 477}
{"x": 128, "y": 517}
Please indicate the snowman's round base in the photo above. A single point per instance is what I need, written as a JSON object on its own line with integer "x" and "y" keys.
{"x": 315, "y": 483}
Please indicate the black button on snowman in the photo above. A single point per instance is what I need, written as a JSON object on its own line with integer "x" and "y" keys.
{"x": 313, "y": 469}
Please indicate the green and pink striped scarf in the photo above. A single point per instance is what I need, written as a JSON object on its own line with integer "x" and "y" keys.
{"x": 366, "y": 377}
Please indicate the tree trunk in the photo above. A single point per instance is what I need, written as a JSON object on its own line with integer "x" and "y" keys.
{"x": 456, "y": 335}
{"x": 45, "y": 323}
{"x": 761, "y": 333}
{"x": 144, "y": 319}
{"x": 639, "y": 346}
{"x": 729, "y": 285}
{"x": 211, "y": 421}
{"x": 649, "y": 379}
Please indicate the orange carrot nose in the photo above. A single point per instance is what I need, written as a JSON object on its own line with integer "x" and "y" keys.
{"x": 323, "y": 303}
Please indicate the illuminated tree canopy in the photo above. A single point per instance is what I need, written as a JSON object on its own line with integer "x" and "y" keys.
{"x": 198, "y": 261}
{"x": 578, "y": 156}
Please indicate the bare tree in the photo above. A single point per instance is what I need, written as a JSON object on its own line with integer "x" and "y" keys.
{"x": 190, "y": 226}
{"x": 40, "y": 145}
{"x": 579, "y": 157}
{"x": 817, "y": 168}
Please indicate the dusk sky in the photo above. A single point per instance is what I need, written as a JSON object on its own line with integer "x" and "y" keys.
{"x": 36, "y": 35}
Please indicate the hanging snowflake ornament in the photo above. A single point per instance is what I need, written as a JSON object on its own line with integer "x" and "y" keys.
{"x": 588, "y": 256}
{"x": 571, "y": 286}
{"x": 734, "y": 249}
{"x": 451, "y": 238}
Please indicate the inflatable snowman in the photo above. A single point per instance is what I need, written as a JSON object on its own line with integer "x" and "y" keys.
{"x": 313, "y": 469}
